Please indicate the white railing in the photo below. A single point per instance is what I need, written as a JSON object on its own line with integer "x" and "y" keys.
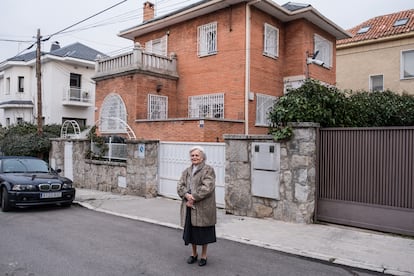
{"x": 76, "y": 95}
{"x": 112, "y": 151}
{"x": 136, "y": 60}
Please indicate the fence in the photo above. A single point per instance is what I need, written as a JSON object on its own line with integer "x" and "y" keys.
{"x": 110, "y": 151}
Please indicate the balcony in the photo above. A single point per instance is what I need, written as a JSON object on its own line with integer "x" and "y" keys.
{"x": 74, "y": 96}
{"x": 136, "y": 61}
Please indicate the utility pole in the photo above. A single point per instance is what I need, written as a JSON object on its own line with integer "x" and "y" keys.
{"x": 39, "y": 86}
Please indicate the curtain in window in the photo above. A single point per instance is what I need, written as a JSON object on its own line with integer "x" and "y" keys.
{"x": 113, "y": 115}
{"x": 408, "y": 64}
{"x": 264, "y": 104}
{"x": 207, "y": 39}
{"x": 270, "y": 41}
{"x": 324, "y": 47}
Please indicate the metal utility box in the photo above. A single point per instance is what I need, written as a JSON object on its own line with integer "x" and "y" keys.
{"x": 265, "y": 170}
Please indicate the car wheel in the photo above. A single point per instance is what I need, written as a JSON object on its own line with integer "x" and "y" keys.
{"x": 5, "y": 204}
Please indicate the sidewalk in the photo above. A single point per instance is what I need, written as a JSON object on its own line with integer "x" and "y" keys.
{"x": 353, "y": 247}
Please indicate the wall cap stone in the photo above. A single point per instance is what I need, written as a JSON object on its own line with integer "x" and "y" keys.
{"x": 247, "y": 137}
{"x": 303, "y": 124}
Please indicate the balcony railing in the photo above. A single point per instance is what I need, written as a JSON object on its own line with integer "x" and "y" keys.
{"x": 136, "y": 60}
{"x": 77, "y": 96}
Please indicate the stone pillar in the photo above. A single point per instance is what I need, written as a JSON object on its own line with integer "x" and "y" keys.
{"x": 142, "y": 168}
{"x": 297, "y": 176}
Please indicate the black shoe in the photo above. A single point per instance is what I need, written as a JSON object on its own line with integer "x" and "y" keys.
{"x": 192, "y": 259}
{"x": 202, "y": 262}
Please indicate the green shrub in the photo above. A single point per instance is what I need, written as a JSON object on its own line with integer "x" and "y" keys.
{"x": 23, "y": 139}
{"x": 330, "y": 107}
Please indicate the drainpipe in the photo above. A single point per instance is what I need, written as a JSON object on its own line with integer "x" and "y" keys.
{"x": 247, "y": 68}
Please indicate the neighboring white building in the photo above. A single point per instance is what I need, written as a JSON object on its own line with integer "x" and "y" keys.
{"x": 68, "y": 91}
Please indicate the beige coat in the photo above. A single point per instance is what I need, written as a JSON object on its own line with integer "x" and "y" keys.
{"x": 203, "y": 191}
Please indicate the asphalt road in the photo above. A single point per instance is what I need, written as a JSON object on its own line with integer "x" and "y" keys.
{"x": 76, "y": 241}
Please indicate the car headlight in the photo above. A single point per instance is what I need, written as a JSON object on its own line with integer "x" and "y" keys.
{"x": 20, "y": 187}
{"x": 67, "y": 185}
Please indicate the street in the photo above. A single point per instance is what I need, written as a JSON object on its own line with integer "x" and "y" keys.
{"x": 76, "y": 241}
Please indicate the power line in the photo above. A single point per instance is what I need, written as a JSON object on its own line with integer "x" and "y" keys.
{"x": 14, "y": 40}
{"x": 50, "y": 36}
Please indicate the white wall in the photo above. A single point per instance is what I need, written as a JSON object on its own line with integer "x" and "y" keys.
{"x": 55, "y": 81}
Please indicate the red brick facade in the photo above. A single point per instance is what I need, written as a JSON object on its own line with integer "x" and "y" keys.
{"x": 223, "y": 72}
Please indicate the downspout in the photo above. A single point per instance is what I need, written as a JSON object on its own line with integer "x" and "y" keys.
{"x": 247, "y": 68}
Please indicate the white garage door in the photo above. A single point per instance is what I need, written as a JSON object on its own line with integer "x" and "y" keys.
{"x": 174, "y": 159}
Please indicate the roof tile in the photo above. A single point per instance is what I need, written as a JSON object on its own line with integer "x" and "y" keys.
{"x": 381, "y": 26}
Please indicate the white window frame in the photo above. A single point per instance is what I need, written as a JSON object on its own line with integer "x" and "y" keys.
{"x": 207, "y": 39}
{"x": 157, "y": 107}
{"x": 271, "y": 41}
{"x": 407, "y": 65}
{"x": 373, "y": 79}
{"x": 7, "y": 91}
{"x": 157, "y": 46}
{"x": 113, "y": 115}
{"x": 20, "y": 84}
{"x": 206, "y": 106}
{"x": 324, "y": 48}
{"x": 264, "y": 104}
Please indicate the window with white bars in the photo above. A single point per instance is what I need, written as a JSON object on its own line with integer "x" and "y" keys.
{"x": 113, "y": 115}
{"x": 376, "y": 83}
{"x": 157, "y": 46}
{"x": 264, "y": 104}
{"x": 324, "y": 48}
{"x": 271, "y": 41}
{"x": 157, "y": 107}
{"x": 206, "y": 106}
{"x": 207, "y": 39}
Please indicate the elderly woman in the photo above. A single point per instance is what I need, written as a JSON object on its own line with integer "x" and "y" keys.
{"x": 196, "y": 188}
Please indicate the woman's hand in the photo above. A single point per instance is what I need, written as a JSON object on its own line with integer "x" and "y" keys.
{"x": 190, "y": 200}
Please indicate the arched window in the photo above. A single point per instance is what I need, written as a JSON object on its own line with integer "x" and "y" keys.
{"x": 113, "y": 115}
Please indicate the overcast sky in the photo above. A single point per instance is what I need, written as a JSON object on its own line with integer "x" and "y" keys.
{"x": 20, "y": 19}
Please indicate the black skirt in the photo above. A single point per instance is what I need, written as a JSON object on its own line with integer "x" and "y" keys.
{"x": 197, "y": 235}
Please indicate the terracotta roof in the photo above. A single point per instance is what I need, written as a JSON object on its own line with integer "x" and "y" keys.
{"x": 380, "y": 27}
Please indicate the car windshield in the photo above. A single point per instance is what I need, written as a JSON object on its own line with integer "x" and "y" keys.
{"x": 24, "y": 166}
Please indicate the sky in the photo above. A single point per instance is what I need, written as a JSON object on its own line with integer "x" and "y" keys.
{"x": 102, "y": 20}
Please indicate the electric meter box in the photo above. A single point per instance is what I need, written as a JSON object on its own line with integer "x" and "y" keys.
{"x": 265, "y": 170}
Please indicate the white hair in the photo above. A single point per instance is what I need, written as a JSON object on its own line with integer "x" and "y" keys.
{"x": 200, "y": 149}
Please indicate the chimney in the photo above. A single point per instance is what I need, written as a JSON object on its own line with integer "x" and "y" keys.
{"x": 148, "y": 11}
{"x": 55, "y": 45}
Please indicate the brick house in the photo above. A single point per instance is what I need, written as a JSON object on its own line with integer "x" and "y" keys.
{"x": 212, "y": 68}
{"x": 382, "y": 48}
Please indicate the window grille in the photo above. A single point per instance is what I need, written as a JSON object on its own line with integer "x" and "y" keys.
{"x": 206, "y": 106}
{"x": 407, "y": 64}
{"x": 207, "y": 39}
{"x": 271, "y": 41}
{"x": 157, "y": 107}
{"x": 376, "y": 83}
{"x": 113, "y": 115}
{"x": 264, "y": 104}
{"x": 157, "y": 46}
{"x": 324, "y": 48}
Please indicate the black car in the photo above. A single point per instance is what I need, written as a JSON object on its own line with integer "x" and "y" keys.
{"x": 29, "y": 181}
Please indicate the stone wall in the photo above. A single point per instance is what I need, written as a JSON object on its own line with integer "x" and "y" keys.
{"x": 297, "y": 177}
{"x": 137, "y": 176}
